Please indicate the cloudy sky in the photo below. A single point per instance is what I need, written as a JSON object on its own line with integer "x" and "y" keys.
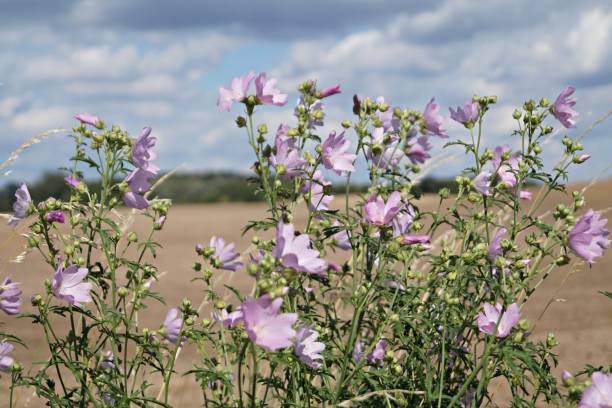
{"x": 159, "y": 63}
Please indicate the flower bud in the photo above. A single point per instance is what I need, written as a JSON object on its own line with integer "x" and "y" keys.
{"x": 581, "y": 158}
{"x": 132, "y": 237}
{"x": 292, "y": 132}
{"x": 240, "y": 121}
{"x": 537, "y": 149}
{"x": 544, "y": 103}
{"x": 444, "y": 192}
{"x": 551, "y": 341}
{"x": 122, "y": 292}
{"x": 516, "y": 114}
{"x": 186, "y": 304}
{"x": 346, "y": 124}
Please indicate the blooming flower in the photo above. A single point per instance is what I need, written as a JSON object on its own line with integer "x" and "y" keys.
{"x": 142, "y": 151}
{"x": 88, "y": 119}
{"x": 267, "y": 92}
{"x": 139, "y": 184}
{"x": 402, "y": 222}
{"x": 482, "y": 182}
{"x": 295, "y": 251}
{"x": 379, "y": 213}
{"x": 588, "y": 237}
{"x": 495, "y": 248}
{"x": 378, "y": 354}
{"x": 286, "y": 159}
{"x": 56, "y": 216}
{"x": 387, "y": 118}
{"x": 417, "y": 151}
{"x": 432, "y": 120}
{"x": 237, "y": 93}
{"x": 68, "y": 285}
{"x": 506, "y": 170}
{"x": 411, "y": 239}
{"x": 265, "y": 326}
{"x": 307, "y": 348}
{"x": 358, "y": 351}
{"x": 72, "y": 181}
{"x": 20, "y": 207}
{"x": 341, "y": 239}
{"x": 493, "y": 317}
{"x": 599, "y": 394}
{"x": 228, "y": 319}
{"x": 225, "y": 255}
{"x": 173, "y": 324}
{"x": 332, "y": 90}
{"x": 9, "y": 296}
{"x": 384, "y": 155}
{"x": 466, "y": 115}
{"x": 318, "y": 201}
{"x": 334, "y": 155}
{"x": 562, "y": 108}
{"x": 6, "y": 362}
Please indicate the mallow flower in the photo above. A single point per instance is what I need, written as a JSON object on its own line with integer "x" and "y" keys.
{"x": 378, "y": 212}
{"x": 6, "y": 362}
{"x": 72, "y": 181}
{"x": 307, "y": 348}
{"x": 225, "y": 256}
{"x": 482, "y": 182}
{"x": 432, "y": 120}
{"x": 358, "y": 351}
{"x": 378, "y": 354}
{"x": 68, "y": 285}
{"x": 143, "y": 153}
{"x": 599, "y": 394}
{"x": 332, "y": 90}
{"x": 9, "y": 296}
{"x": 381, "y": 154}
{"x": 417, "y": 151}
{"x": 296, "y": 252}
{"x": 267, "y": 92}
{"x": 139, "y": 184}
{"x": 286, "y": 159}
{"x": 56, "y": 216}
{"x": 588, "y": 236}
{"x": 466, "y": 115}
{"x": 402, "y": 222}
{"x": 228, "y": 319}
{"x": 495, "y": 249}
{"x": 173, "y": 324}
{"x": 412, "y": 239}
{"x": 493, "y": 317}
{"x": 315, "y": 191}
{"x": 265, "y": 326}
{"x": 20, "y": 207}
{"x": 237, "y": 93}
{"x": 562, "y": 108}
{"x": 389, "y": 121}
{"x": 334, "y": 154}
{"x": 88, "y": 119}
{"x": 506, "y": 170}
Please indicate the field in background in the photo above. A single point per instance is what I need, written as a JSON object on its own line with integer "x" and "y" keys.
{"x": 579, "y": 316}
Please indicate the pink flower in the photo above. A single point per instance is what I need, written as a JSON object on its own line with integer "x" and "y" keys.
{"x": 173, "y": 324}
{"x": 72, "y": 181}
{"x": 143, "y": 153}
{"x": 316, "y": 190}
{"x": 411, "y": 239}
{"x": 525, "y": 195}
{"x": 88, "y": 119}
{"x": 358, "y": 351}
{"x": 378, "y": 354}
{"x": 296, "y": 252}
{"x": 402, "y": 222}
{"x": 228, "y": 319}
{"x": 417, "y": 151}
{"x": 506, "y": 170}
{"x": 562, "y": 108}
{"x": 334, "y": 155}
{"x": 466, "y": 115}
{"x": 599, "y": 394}
{"x": 107, "y": 361}
{"x": 482, "y": 182}
{"x": 588, "y": 237}
{"x": 56, "y": 216}
{"x": 384, "y": 155}
{"x": 432, "y": 120}
{"x": 20, "y": 207}
{"x": 286, "y": 159}
{"x": 341, "y": 239}
{"x": 579, "y": 159}
{"x": 307, "y": 348}
{"x": 493, "y": 317}
{"x": 267, "y": 92}
{"x": 139, "y": 184}
{"x": 225, "y": 255}
{"x": 68, "y": 285}
{"x": 9, "y": 296}
{"x": 379, "y": 213}
{"x": 332, "y": 90}
{"x": 237, "y": 93}
{"x": 388, "y": 119}
{"x": 265, "y": 326}
{"x": 495, "y": 249}
{"x": 6, "y": 362}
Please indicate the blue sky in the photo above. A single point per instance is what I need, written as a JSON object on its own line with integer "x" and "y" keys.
{"x": 158, "y": 63}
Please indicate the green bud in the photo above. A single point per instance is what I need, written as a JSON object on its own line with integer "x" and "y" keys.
{"x": 492, "y": 99}
{"x": 346, "y": 124}
{"x": 197, "y": 266}
{"x": 523, "y": 324}
{"x": 537, "y": 149}
{"x": 551, "y": 341}
{"x": 132, "y": 237}
{"x": 292, "y": 132}
{"x": 122, "y": 292}
{"x": 33, "y": 241}
{"x": 240, "y": 121}
{"x": 544, "y": 102}
{"x": 263, "y": 128}
{"x": 186, "y": 304}
{"x": 383, "y": 107}
{"x": 37, "y": 300}
{"x": 516, "y": 114}
{"x": 444, "y": 192}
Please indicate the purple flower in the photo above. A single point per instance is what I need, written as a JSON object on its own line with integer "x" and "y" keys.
{"x": 139, "y": 184}
{"x": 56, "y": 216}
{"x": 316, "y": 191}
{"x": 307, "y": 348}
{"x": 68, "y": 285}
{"x": 334, "y": 155}
{"x": 341, "y": 239}
{"x": 495, "y": 248}
{"x": 6, "y": 362}
{"x": 228, "y": 319}
{"x": 432, "y": 120}
{"x": 379, "y": 213}
{"x": 173, "y": 324}
{"x": 482, "y": 182}
{"x": 296, "y": 252}
{"x": 402, "y": 222}
{"x": 88, "y": 119}
{"x": 107, "y": 361}
{"x": 493, "y": 317}
{"x": 581, "y": 158}
{"x": 378, "y": 354}
{"x": 358, "y": 351}
{"x": 286, "y": 159}
{"x": 72, "y": 181}
{"x": 388, "y": 119}
{"x": 198, "y": 248}
{"x": 9, "y": 296}
{"x": 282, "y": 136}
{"x": 466, "y": 115}
{"x": 265, "y": 326}
{"x": 159, "y": 223}
{"x": 237, "y": 93}
{"x": 384, "y": 155}
{"x": 267, "y": 92}
{"x": 599, "y": 394}
{"x": 417, "y": 151}
{"x": 525, "y": 195}
{"x": 588, "y": 237}
{"x": 226, "y": 256}
{"x": 411, "y": 239}
{"x": 332, "y": 90}
{"x": 562, "y": 108}
{"x": 142, "y": 151}
{"x": 20, "y": 207}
